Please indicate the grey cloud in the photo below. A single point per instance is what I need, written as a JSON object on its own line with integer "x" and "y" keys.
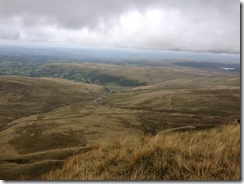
{"x": 70, "y": 14}
{"x": 198, "y": 25}
{"x": 4, "y": 34}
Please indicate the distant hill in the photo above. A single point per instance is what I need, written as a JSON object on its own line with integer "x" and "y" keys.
{"x": 22, "y": 96}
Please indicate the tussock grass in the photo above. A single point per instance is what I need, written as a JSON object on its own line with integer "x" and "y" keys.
{"x": 212, "y": 154}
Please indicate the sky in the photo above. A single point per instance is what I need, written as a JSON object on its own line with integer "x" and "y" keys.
{"x": 188, "y": 25}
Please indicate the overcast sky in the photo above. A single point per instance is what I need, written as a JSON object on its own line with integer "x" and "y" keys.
{"x": 195, "y": 25}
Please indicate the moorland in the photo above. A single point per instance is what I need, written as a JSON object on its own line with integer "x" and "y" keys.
{"x": 63, "y": 107}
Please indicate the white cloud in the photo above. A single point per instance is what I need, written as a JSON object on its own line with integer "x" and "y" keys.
{"x": 201, "y": 25}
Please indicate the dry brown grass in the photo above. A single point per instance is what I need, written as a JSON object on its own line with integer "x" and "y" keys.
{"x": 212, "y": 154}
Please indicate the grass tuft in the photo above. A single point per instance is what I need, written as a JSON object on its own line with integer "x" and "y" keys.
{"x": 212, "y": 154}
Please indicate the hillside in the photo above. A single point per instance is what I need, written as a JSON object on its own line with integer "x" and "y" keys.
{"x": 43, "y": 121}
{"x": 24, "y": 102}
{"x": 212, "y": 154}
{"x": 23, "y": 96}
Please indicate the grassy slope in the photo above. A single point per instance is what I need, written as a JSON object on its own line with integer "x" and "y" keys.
{"x": 41, "y": 116}
{"x": 24, "y": 104}
{"x": 23, "y": 96}
{"x": 212, "y": 154}
{"x": 181, "y": 102}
